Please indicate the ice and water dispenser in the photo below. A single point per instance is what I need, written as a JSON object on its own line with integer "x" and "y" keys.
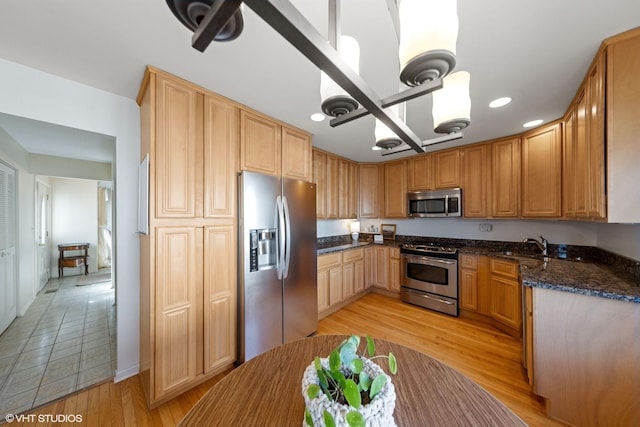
{"x": 262, "y": 249}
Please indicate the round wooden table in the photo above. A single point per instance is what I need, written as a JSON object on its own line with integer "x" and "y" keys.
{"x": 267, "y": 391}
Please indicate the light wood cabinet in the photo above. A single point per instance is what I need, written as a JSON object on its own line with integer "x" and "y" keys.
{"x": 270, "y": 148}
{"x": 420, "y": 173}
{"x": 371, "y": 184}
{"x": 333, "y": 185}
{"x": 568, "y": 179}
{"x": 395, "y": 189}
{"x": 341, "y": 277}
{"x": 369, "y": 266}
{"x": 352, "y": 211}
{"x": 506, "y": 298}
{"x": 352, "y": 272}
{"x": 347, "y": 189}
{"x": 260, "y": 144}
{"x": 447, "y": 169}
{"x": 528, "y": 335}
{"x": 381, "y": 267}
{"x": 595, "y": 85}
{"x": 296, "y": 154}
{"x": 468, "y": 282}
{"x": 394, "y": 269}
{"x": 188, "y": 259}
{"x": 622, "y": 128}
{"x": 542, "y": 172}
{"x": 505, "y": 178}
{"x": 434, "y": 170}
{"x": 476, "y": 172}
{"x": 320, "y": 179}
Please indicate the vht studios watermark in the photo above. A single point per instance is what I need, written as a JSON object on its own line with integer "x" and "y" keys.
{"x": 43, "y": 418}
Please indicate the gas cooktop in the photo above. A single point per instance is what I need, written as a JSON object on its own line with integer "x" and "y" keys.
{"x": 429, "y": 249}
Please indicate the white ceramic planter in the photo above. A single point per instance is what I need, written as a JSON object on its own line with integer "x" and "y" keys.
{"x": 377, "y": 413}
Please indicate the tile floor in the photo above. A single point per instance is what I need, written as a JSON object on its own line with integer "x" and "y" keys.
{"x": 65, "y": 342}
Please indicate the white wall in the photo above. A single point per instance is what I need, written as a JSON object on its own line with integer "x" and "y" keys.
{"x": 34, "y": 94}
{"x": 74, "y": 219}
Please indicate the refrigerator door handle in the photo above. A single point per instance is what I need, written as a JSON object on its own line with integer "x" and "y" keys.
{"x": 287, "y": 247}
{"x": 280, "y": 240}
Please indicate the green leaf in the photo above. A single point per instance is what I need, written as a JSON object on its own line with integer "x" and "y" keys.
{"x": 317, "y": 364}
{"x": 352, "y": 394}
{"x": 348, "y": 352}
{"x": 365, "y": 381}
{"x": 322, "y": 377}
{"x": 355, "y": 340}
{"x": 307, "y": 418}
{"x": 355, "y": 419}
{"x": 328, "y": 419}
{"x": 377, "y": 384}
{"x": 334, "y": 360}
{"x": 313, "y": 390}
{"x": 342, "y": 380}
{"x": 356, "y": 365}
{"x": 371, "y": 346}
{"x": 393, "y": 364}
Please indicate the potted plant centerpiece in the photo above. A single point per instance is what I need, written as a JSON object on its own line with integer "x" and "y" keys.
{"x": 349, "y": 389}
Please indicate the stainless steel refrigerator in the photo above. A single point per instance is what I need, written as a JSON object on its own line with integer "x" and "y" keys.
{"x": 277, "y": 277}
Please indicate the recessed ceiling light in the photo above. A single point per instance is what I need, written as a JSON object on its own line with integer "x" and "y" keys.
{"x": 500, "y": 102}
{"x": 532, "y": 123}
{"x": 376, "y": 148}
{"x": 317, "y": 117}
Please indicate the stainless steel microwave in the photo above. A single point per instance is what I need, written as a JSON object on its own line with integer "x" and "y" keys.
{"x": 435, "y": 203}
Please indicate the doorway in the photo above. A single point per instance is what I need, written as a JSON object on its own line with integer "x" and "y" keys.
{"x": 8, "y": 276}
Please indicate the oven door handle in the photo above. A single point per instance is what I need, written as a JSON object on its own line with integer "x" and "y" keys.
{"x": 421, "y": 260}
{"x": 430, "y": 297}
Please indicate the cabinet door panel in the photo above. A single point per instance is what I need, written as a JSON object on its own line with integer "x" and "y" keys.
{"x": 260, "y": 144}
{"x": 220, "y": 296}
{"x": 447, "y": 169}
{"x": 353, "y": 191}
{"x": 596, "y": 206}
{"x": 568, "y": 180}
{"x": 296, "y": 155}
{"x": 343, "y": 189}
{"x": 469, "y": 289}
{"x": 581, "y": 158}
{"x": 505, "y": 178}
{"x": 323, "y": 290}
{"x": 420, "y": 173}
{"x": 335, "y": 285}
{"x": 332, "y": 189}
{"x": 395, "y": 189}
{"x": 369, "y": 194}
{"x": 220, "y": 158}
{"x": 320, "y": 179}
{"x": 475, "y": 183}
{"x": 177, "y": 284}
{"x": 358, "y": 276}
{"x": 506, "y": 303}
{"x": 541, "y": 172}
{"x": 348, "y": 280}
{"x": 178, "y": 149}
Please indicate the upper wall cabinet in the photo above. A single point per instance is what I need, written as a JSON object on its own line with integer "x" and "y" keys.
{"x": 434, "y": 170}
{"x": 420, "y": 174}
{"x": 505, "y": 178}
{"x": 269, "y": 148}
{"x": 336, "y": 186}
{"x": 370, "y": 191}
{"x": 623, "y": 127}
{"x": 476, "y": 172}
{"x": 395, "y": 189}
{"x": 541, "y": 172}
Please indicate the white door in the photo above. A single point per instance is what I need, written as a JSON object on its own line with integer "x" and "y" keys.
{"x": 8, "y": 282}
{"x": 43, "y": 225}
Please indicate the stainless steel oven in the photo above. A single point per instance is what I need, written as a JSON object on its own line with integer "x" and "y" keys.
{"x": 430, "y": 277}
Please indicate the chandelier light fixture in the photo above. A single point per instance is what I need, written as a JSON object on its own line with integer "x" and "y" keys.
{"x": 427, "y": 31}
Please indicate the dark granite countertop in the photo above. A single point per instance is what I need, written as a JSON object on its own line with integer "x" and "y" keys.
{"x": 578, "y": 277}
{"x": 340, "y": 246}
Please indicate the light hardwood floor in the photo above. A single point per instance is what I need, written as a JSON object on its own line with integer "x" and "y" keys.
{"x": 487, "y": 356}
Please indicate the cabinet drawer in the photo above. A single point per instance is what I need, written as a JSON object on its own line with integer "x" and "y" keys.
{"x": 504, "y": 268}
{"x": 352, "y": 255}
{"x": 329, "y": 260}
{"x": 469, "y": 261}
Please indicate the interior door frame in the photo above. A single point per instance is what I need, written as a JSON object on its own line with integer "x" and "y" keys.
{"x": 5, "y": 307}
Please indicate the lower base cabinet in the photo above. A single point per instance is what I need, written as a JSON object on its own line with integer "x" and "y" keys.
{"x": 490, "y": 290}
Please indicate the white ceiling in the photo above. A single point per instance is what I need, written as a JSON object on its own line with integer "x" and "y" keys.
{"x": 535, "y": 51}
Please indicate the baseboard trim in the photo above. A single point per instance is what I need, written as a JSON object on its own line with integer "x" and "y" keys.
{"x": 126, "y": 373}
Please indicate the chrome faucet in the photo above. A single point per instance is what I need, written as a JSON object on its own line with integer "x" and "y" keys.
{"x": 541, "y": 244}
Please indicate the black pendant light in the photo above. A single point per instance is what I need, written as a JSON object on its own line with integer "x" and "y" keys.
{"x": 192, "y": 12}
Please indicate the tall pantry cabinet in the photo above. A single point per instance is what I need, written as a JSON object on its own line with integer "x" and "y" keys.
{"x": 188, "y": 258}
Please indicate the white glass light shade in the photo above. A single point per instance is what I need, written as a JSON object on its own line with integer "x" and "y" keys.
{"x": 335, "y": 100}
{"x": 354, "y": 227}
{"x": 428, "y": 36}
{"x": 385, "y": 137}
{"x": 452, "y": 104}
